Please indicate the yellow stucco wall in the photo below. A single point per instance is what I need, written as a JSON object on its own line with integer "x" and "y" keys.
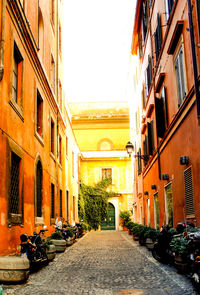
{"x": 88, "y": 139}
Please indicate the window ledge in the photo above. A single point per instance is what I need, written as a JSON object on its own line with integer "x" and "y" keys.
{"x": 39, "y": 221}
{"x": 17, "y": 109}
{"x": 160, "y": 82}
{"x": 52, "y": 156}
{"x": 175, "y": 37}
{"x": 39, "y": 138}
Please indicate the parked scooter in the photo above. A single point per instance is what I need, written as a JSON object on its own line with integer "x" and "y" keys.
{"x": 194, "y": 257}
{"x": 33, "y": 248}
{"x": 162, "y": 251}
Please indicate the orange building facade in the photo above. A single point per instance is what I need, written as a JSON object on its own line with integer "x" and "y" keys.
{"x": 39, "y": 154}
{"x": 165, "y": 106}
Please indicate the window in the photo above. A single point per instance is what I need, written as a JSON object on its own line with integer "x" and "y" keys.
{"x": 52, "y": 73}
{"x": 60, "y": 38}
{"x": 52, "y": 200}
{"x": 189, "y": 193}
{"x": 169, "y": 205}
{"x": 150, "y": 130}
{"x": 156, "y": 212}
{"x": 144, "y": 20}
{"x": 60, "y": 149}
{"x": 72, "y": 164}
{"x": 39, "y": 115}
{"x": 14, "y": 200}
{"x": 105, "y": 145}
{"x": 148, "y": 212}
{"x": 106, "y": 173}
{"x": 39, "y": 189}
{"x": 66, "y": 146}
{"x": 168, "y": 8}
{"x": 161, "y": 113}
{"x": 139, "y": 162}
{"x": 61, "y": 203}
{"x": 67, "y": 205}
{"x": 17, "y": 75}
{"x": 40, "y": 33}
{"x": 60, "y": 95}
{"x": 158, "y": 37}
{"x": 180, "y": 76}
{"x": 53, "y": 10}
{"x": 148, "y": 76}
{"x": 198, "y": 14}
{"x": 145, "y": 150}
{"x": 52, "y": 136}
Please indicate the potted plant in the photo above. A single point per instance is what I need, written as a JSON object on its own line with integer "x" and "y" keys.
{"x": 71, "y": 236}
{"x": 125, "y": 218}
{"x": 151, "y": 236}
{"x": 142, "y": 230}
{"x": 130, "y": 225}
{"x": 57, "y": 240}
{"x": 136, "y": 231}
{"x": 50, "y": 248}
{"x": 180, "y": 246}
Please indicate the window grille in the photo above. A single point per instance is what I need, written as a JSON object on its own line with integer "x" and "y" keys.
{"x": 106, "y": 173}
{"x": 14, "y": 186}
{"x": 52, "y": 200}
{"x": 39, "y": 189}
{"x": 189, "y": 192}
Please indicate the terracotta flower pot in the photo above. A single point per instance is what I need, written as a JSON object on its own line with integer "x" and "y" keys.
{"x": 60, "y": 245}
{"x": 51, "y": 252}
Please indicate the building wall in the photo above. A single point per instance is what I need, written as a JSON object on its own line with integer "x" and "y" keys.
{"x": 180, "y": 135}
{"x": 26, "y": 123}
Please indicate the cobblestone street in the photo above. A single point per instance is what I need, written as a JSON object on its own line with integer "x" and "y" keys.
{"x": 104, "y": 263}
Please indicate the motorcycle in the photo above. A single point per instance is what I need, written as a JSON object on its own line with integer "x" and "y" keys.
{"x": 161, "y": 250}
{"x": 194, "y": 257}
{"x": 33, "y": 248}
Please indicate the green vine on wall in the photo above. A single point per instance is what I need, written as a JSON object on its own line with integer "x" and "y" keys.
{"x": 93, "y": 202}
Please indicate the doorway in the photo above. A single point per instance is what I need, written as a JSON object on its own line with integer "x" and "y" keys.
{"x": 109, "y": 221}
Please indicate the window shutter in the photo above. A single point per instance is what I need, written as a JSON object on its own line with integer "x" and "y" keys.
{"x": 167, "y": 10}
{"x": 160, "y": 117}
{"x": 152, "y": 135}
{"x": 178, "y": 80}
{"x": 146, "y": 81}
{"x": 183, "y": 91}
{"x": 159, "y": 32}
{"x": 189, "y": 193}
{"x": 164, "y": 99}
{"x": 145, "y": 150}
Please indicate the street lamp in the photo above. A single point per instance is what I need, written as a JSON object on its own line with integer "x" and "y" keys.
{"x": 130, "y": 149}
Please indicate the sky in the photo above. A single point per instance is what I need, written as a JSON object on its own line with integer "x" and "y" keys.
{"x": 97, "y": 44}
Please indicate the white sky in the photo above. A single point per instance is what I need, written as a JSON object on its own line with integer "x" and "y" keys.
{"x": 97, "y": 43}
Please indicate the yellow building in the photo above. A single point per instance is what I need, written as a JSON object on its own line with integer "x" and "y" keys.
{"x": 102, "y": 131}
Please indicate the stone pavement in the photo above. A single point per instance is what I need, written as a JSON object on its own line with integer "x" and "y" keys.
{"x": 104, "y": 263}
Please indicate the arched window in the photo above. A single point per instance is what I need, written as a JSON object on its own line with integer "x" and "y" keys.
{"x": 105, "y": 145}
{"x": 40, "y": 34}
{"x": 39, "y": 189}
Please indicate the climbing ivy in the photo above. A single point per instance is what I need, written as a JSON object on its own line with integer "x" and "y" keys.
{"x": 93, "y": 202}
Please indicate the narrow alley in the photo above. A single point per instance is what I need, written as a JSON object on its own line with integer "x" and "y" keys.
{"x": 104, "y": 263}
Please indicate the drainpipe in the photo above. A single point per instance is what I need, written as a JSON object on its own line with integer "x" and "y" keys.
{"x": 194, "y": 60}
{"x": 2, "y": 40}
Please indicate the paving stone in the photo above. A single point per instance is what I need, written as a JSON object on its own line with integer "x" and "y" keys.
{"x": 105, "y": 263}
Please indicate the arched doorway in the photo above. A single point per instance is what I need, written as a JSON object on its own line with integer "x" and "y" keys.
{"x": 109, "y": 222}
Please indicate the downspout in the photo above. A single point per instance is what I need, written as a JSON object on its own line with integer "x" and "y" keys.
{"x": 2, "y": 40}
{"x": 194, "y": 60}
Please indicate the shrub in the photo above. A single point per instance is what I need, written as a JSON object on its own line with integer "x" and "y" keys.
{"x": 180, "y": 246}
{"x": 56, "y": 235}
{"x": 125, "y": 217}
{"x": 151, "y": 233}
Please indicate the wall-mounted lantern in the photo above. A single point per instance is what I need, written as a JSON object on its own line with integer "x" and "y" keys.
{"x": 184, "y": 160}
{"x": 165, "y": 177}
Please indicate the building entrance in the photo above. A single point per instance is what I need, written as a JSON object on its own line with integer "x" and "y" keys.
{"x": 109, "y": 222}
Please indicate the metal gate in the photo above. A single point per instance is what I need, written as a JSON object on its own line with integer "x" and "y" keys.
{"x": 109, "y": 222}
